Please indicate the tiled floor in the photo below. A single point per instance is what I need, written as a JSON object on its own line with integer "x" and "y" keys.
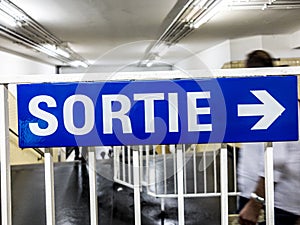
{"x": 115, "y": 201}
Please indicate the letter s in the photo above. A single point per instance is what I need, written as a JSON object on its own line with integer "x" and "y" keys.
{"x": 41, "y": 114}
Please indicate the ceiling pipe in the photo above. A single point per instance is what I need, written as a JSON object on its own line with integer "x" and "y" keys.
{"x": 188, "y": 18}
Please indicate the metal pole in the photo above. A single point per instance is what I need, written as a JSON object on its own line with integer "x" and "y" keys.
{"x": 116, "y": 155}
{"x": 269, "y": 184}
{"x": 154, "y": 166}
{"x": 123, "y": 164}
{"x": 147, "y": 166}
{"x": 163, "y": 148}
{"x": 204, "y": 172}
{"x": 215, "y": 173}
{"x": 141, "y": 162}
{"x": 5, "y": 158}
{"x": 184, "y": 169}
{"x": 129, "y": 163}
{"x": 234, "y": 168}
{"x": 173, "y": 150}
{"x": 162, "y": 205}
{"x": 136, "y": 188}
{"x": 93, "y": 187}
{"x": 180, "y": 185}
{"x": 195, "y": 169}
{"x": 49, "y": 188}
{"x": 224, "y": 185}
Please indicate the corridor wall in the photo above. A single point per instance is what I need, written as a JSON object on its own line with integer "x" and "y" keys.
{"x": 279, "y": 46}
{"x": 17, "y": 65}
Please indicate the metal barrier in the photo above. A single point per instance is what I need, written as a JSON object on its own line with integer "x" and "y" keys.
{"x": 160, "y": 169}
{"x": 204, "y": 170}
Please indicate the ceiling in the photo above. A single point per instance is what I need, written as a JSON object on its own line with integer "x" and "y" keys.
{"x": 116, "y": 32}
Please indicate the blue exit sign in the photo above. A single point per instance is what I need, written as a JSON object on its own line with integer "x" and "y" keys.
{"x": 221, "y": 110}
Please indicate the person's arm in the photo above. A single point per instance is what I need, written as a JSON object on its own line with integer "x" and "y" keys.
{"x": 250, "y": 213}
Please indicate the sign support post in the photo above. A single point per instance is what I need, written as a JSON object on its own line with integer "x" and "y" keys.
{"x": 224, "y": 185}
{"x": 93, "y": 187}
{"x": 49, "y": 188}
{"x": 5, "y": 158}
{"x": 269, "y": 184}
{"x": 136, "y": 187}
{"x": 180, "y": 186}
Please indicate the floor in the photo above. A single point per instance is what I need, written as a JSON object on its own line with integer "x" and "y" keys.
{"x": 115, "y": 201}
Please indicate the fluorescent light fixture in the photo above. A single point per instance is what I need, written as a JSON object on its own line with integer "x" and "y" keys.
{"x": 200, "y": 3}
{"x": 193, "y": 12}
{"x": 159, "y": 50}
{"x": 57, "y": 50}
{"x": 62, "y": 52}
{"x": 264, "y": 4}
{"x": 150, "y": 63}
{"x": 12, "y": 11}
{"x": 46, "y": 51}
{"x": 144, "y": 62}
{"x": 147, "y": 62}
{"x": 78, "y": 63}
{"x": 7, "y": 19}
{"x": 209, "y": 13}
{"x": 34, "y": 35}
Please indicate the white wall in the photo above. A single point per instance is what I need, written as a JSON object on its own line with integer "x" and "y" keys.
{"x": 295, "y": 40}
{"x": 17, "y": 65}
{"x": 239, "y": 48}
{"x": 279, "y": 46}
{"x": 212, "y": 58}
{"x": 113, "y": 69}
{"x": 13, "y": 64}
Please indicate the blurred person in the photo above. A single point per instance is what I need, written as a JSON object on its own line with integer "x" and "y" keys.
{"x": 250, "y": 165}
{"x": 251, "y": 155}
{"x": 287, "y": 187}
{"x": 286, "y": 172}
{"x": 259, "y": 58}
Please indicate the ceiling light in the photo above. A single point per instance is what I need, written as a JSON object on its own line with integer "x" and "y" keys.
{"x": 34, "y": 35}
{"x": 195, "y": 13}
{"x": 57, "y": 50}
{"x": 12, "y": 11}
{"x": 264, "y": 4}
{"x": 192, "y": 15}
{"x": 200, "y": 3}
{"x": 209, "y": 13}
{"x": 150, "y": 63}
{"x": 78, "y": 63}
{"x": 7, "y": 19}
{"x": 62, "y": 52}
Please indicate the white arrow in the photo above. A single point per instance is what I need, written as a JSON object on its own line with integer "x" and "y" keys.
{"x": 270, "y": 109}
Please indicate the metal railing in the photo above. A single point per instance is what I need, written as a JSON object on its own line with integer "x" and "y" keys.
{"x": 158, "y": 172}
{"x": 179, "y": 171}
